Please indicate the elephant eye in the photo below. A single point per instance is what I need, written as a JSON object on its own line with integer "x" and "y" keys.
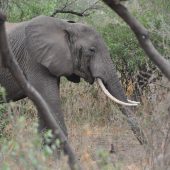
{"x": 92, "y": 50}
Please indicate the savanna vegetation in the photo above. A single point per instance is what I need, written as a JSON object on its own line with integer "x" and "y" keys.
{"x": 98, "y": 132}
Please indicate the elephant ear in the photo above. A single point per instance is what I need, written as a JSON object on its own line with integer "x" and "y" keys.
{"x": 47, "y": 43}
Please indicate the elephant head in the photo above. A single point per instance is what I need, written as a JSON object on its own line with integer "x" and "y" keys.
{"x": 76, "y": 51}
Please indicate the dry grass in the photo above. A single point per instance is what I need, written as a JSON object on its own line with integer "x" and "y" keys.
{"x": 94, "y": 124}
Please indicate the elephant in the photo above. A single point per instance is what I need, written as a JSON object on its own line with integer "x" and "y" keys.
{"x": 48, "y": 48}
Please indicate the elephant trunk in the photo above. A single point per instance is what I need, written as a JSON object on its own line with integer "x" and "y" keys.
{"x": 113, "y": 89}
{"x": 111, "y": 86}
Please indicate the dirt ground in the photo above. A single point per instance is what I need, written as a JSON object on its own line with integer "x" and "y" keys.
{"x": 111, "y": 145}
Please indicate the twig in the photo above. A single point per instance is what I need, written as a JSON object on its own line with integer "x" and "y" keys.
{"x": 83, "y": 13}
{"x": 168, "y": 88}
{"x": 135, "y": 127}
{"x": 10, "y": 62}
{"x": 142, "y": 36}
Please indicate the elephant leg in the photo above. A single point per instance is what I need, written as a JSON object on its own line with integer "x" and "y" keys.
{"x": 48, "y": 87}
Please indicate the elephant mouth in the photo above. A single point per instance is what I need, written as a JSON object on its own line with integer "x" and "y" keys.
{"x": 90, "y": 80}
{"x": 86, "y": 76}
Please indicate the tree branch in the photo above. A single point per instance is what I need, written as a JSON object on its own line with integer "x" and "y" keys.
{"x": 10, "y": 62}
{"x": 83, "y": 13}
{"x": 142, "y": 36}
{"x": 80, "y": 14}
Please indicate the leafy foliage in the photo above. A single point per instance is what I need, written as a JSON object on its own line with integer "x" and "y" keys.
{"x": 124, "y": 48}
{"x": 21, "y": 10}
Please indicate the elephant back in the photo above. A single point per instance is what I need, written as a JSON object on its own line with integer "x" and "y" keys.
{"x": 16, "y": 39}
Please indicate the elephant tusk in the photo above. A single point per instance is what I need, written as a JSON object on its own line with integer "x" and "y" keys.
{"x": 134, "y": 102}
{"x": 112, "y": 97}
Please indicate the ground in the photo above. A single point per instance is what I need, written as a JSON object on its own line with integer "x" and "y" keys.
{"x": 98, "y": 132}
{"x": 90, "y": 138}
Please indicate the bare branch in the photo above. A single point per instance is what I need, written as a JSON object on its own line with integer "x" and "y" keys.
{"x": 142, "y": 36}
{"x": 17, "y": 73}
{"x": 92, "y": 7}
{"x": 67, "y": 4}
{"x": 83, "y": 13}
{"x": 134, "y": 125}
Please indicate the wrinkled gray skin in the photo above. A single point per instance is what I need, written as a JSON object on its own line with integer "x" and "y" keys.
{"x": 48, "y": 48}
